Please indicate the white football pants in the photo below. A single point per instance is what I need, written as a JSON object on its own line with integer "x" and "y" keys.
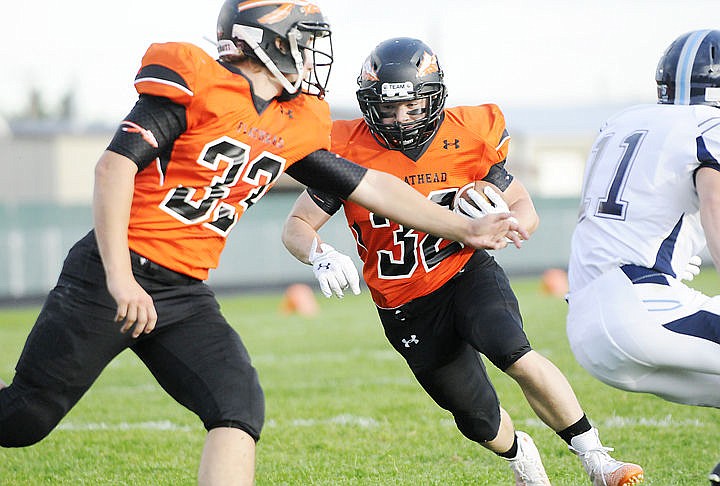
{"x": 616, "y": 332}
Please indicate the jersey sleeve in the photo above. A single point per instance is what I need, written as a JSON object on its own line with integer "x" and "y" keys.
{"x": 489, "y": 122}
{"x": 169, "y": 70}
{"x": 341, "y": 133}
{"x": 310, "y": 130}
{"x": 499, "y": 176}
{"x": 708, "y": 143}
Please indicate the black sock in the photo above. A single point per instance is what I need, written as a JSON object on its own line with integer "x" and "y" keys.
{"x": 512, "y": 452}
{"x": 579, "y": 427}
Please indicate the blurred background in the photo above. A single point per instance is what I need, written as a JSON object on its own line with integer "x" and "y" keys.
{"x": 556, "y": 68}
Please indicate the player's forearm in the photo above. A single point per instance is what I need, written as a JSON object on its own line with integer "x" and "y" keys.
{"x": 524, "y": 211}
{"x": 112, "y": 199}
{"x": 521, "y": 204}
{"x": 302, "y": 226}
{"x": 710, "y": 217}
{"x": 390, "y": 197}
{"x": 297, "y": 236}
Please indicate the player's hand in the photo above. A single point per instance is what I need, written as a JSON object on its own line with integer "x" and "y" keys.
{"x": 334, "y": 270}
{"x": 495, "y": 231}
{"x": 135, "y": 308}
{"x": 482, "y": 207}
{"x": 692, "y": 269}
{"x": 493, "y": 204}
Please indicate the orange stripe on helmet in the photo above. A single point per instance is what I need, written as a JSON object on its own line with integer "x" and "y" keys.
{"x": 368, "y": 73}
{"x": 428, "y": 65}
{"x": 310, "y": 9}
{"x": 277, "y": 15}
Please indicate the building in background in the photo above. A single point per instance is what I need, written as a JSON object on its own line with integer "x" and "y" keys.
{"x": 46, "y": 193}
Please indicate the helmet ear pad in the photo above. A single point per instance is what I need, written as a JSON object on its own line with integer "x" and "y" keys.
{"x": 688, "y": 72}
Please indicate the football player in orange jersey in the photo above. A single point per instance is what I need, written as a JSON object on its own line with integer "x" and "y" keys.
{"x": 205, "y": 141}
{"x": 440, "y": 302}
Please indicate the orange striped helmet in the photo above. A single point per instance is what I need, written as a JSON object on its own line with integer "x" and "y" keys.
{"x": 286, "y": 36}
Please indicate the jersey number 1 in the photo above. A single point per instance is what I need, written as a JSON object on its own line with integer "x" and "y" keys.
{"x": 612, "y": 205}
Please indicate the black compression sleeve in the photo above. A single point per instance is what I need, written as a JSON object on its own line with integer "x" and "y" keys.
{"x": 149, "y": 130}
{"x": 329, "y": 203}
{"x": 499, "y": 176}
{"x": 328, "y": 172}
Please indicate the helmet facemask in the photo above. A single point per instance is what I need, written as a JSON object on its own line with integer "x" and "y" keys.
{"x": 408, "y": 135}
{"x": 401, "y": 70}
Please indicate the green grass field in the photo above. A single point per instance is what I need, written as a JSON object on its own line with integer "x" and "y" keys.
{"x": 342, "y": 408}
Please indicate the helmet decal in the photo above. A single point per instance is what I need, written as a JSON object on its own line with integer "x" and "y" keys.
{"x": 428, "y": 65}
{"x": 310, "y": 9}
{"x": 277, "y": 15}
{"x": 392, "y": 90}
{"x": 685, "y": 66}
{"x": 368, "y": 72}
{"x": 712, "y": 94}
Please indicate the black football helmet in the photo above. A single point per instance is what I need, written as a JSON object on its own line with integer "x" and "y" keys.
{"x": 689, "y": 71}
{"x": 401, "y": 69}
{"x": 283, "y": 35}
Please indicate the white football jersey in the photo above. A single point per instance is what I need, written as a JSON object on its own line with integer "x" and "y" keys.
{"x": 638, "y": 203}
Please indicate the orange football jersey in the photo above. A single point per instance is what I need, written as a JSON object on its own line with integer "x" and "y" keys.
{"x": 401, "y": 264}
{"x": 224, "y": 162}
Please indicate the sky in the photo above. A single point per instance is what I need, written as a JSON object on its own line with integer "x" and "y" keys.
{"x": 517, "y": 53}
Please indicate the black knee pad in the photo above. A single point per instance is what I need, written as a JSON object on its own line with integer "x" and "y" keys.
{"x": 481, "y": 426}
{"x": 463, "y": 388}
{"x": 26, "y": 419}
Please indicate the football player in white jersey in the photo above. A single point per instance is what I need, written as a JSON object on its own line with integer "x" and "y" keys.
{"x": 650, "y": 201}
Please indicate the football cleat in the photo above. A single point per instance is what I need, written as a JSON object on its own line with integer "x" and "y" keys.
{"x": 714, "y": 476}
{"x": 606, "y": 471}
{"x": 527, "y": 465}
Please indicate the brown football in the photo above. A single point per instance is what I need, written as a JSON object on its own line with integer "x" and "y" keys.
{"x": 478, "y": 186}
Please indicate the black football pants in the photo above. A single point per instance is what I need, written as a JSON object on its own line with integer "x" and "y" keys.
{"x": 440, "y": 335}
{"x": 193, "y": 352}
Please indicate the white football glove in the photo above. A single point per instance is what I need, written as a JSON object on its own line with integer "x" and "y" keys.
{"x": 496, "y": 204}
{"x": 334, "y": 270}
{"x": 692, "y": 268}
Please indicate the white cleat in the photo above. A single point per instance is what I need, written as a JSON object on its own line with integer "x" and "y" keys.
{"x": 527, "y": 465}
{"x": 714, "y": 476}
{"x": 606, "y": 471}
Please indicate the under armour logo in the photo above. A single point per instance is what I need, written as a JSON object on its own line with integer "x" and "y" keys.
{"x": 326, "y": 266}
{"x": 287, "y": 112}
{"x": 413, "y": 340}
{"x": 447, "y": 144}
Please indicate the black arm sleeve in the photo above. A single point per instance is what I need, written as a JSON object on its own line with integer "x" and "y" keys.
{"x": 499, "y": 176}
{"x": 329, "y": 203}
{"x": 327, "y": 172}
{"x": 149, "y": 131}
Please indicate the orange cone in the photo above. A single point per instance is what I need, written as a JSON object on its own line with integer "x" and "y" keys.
{"x": 554, "y": 281}
{"x": 299, "y": 299}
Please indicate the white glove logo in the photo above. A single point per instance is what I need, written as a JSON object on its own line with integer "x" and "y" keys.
{"x": 334, "y": 270}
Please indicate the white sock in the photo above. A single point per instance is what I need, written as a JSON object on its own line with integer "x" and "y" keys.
{"x": 586, "y": 441}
